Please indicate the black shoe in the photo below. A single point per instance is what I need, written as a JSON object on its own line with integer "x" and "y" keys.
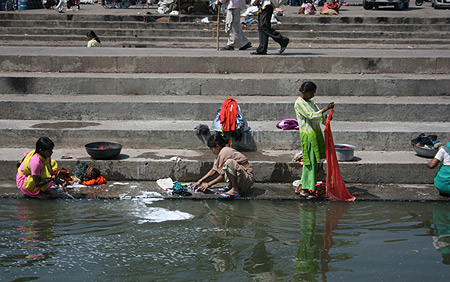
{"x": 258, "y": 53}
{"x": 284, "y": 46}
{"x": 246, "y": 46}
{"x": 227, "y": 48}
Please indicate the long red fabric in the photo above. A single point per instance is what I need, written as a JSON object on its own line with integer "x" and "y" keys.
{"x": 228, "y": 114}
{"x": 336, "y": 188}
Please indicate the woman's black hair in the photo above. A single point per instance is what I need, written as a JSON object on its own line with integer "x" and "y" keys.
{"x": 217, "y": 139}
{"x": 308, "y": 86}
{"x": 44, "y": 144}
{"x": 93, "y": 35}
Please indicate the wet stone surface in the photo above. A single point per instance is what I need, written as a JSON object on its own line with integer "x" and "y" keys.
{"x": 65, "y": 124}
{"x": 260, "y": 191}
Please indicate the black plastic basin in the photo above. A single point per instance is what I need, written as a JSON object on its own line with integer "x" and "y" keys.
{"x": 103, "y": 150}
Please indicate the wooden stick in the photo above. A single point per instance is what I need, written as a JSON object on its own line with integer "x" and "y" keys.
{"x": 218, "y": 23}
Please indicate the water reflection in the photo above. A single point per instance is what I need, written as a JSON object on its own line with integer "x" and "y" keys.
{"x": 224, "y": 241}
{"x": 33, "y": 230}
{"x": 230, "y": 220}
{"x": 441, "y": 238}
{"x": 313, "y": 253}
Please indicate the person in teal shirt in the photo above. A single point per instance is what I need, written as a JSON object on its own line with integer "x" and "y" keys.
{"x": 442, "y": 178}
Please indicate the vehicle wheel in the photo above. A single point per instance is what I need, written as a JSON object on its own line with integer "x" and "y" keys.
{"x": 400, "y": 5}
{"x": 419, "y": 2}
{"x": 367, "y": 5}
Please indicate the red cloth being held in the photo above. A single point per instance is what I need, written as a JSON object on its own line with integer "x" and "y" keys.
{"x": 336, "y": 188}
{"x": 228, "y": 115}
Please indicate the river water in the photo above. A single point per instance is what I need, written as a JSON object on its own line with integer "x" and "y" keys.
{"x": 148, "y": 239}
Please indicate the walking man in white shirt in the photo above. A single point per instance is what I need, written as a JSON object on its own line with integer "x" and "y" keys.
{"x": 236, "y": 36}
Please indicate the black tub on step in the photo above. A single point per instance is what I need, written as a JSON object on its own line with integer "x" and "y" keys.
{"x": 104, "y": 150}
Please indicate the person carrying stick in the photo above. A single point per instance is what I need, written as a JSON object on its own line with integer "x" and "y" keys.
{"x": 236, "y": 36}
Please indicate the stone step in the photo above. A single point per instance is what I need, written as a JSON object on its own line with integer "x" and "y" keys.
{"x": 368, "y": 167}
{"x": 210, "y": 41}
{"x": 110, "y": 34}
{"x": 111, "y": 17}
{"x": 196, "y": 107}
{"x": 165, "y": 60}
{"x": 175, "y": 134}
{"x": 238, "y": 84}
{"x": 101, "y": 24}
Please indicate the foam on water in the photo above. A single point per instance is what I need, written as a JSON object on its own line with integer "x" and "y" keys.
{"x": 146, "y": 214}
{"x": 153, "y": 214}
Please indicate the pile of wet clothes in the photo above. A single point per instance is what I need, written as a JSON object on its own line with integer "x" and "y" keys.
{"x": 429, "y": 141}
{"x": 180, "y": 190}
{"x": 89, "y": 175}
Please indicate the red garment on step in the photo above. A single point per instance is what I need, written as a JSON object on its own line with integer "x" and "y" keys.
{"x": 228, "y": 114}
{"x": 336, "y": 189}
{"x": 96, "y": 181}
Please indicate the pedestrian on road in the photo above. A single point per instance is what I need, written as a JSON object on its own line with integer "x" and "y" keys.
{"x": 233, "y": 27}
{"x": 231, "y": 165}
{"x": 442, "y": 178}
{"x": 94, "y": 41}
{"x": 35, "y": 172}
{"x": 265, "y": 29}
{"x": 309, "y": 117}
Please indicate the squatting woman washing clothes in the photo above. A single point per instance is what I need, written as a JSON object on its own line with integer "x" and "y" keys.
{"x": 442, "y": 178}
{"x": 231, "y": 165}
{"x": 35, "y": 173}
{"x": 309, "y": 117}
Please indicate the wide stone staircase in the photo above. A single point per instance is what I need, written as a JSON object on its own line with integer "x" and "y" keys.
{"x": 150, "y": 100}
{"x": 188, "y": 31}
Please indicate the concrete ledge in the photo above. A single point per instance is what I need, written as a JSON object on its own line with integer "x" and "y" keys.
{"x": 200, "y": 107}
{"x": 269, "y": 166}
{"x": 260, "y": 191}
{"x": 440, "y": 25}
{"x": 175, "y": 134}
{"x": 157, "y": 60}
{"x": 236, "y": 84}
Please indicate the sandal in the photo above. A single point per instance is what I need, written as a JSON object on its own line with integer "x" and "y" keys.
{"x": 223, "y": 189}
{"x": 229, "y": 196}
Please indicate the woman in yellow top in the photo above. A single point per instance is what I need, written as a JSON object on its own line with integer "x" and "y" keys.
{"x": 35, "y": 173}
{"x": 309, "y": 117}
{"x": 94, "y": 41}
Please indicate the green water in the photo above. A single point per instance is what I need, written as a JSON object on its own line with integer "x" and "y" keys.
{"x": 185, "y": 240}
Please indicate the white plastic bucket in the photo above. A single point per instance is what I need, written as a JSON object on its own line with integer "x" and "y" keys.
{"x": 344, "y": 152}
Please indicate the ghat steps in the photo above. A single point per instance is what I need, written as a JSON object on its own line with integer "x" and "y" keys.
{"x": 389, "y": 77}
{"x": 152, "y": 30}
{"x": 150, "y": 100}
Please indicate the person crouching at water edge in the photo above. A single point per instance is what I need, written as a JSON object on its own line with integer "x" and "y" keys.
{"x": 35, "y": 171}
{"x": 231, "y": 165}
{"x": 309, "y": 117}
{"x": 442, "y": 178}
